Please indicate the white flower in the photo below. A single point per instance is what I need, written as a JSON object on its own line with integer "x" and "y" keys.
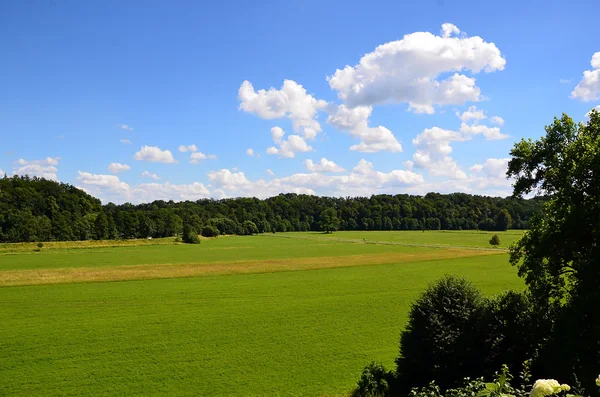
{"x": 547, "y": 387}
{"x": 565, "y": 387}
{"x": 598, "y": 381}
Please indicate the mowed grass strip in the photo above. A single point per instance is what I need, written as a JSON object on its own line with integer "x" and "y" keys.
{"x": 429, "y": 238}
{"x": 163, "y": 271}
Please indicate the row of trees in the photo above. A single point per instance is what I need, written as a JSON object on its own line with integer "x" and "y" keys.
{"x": 552, "y": 329}
{"x": 35, "y": 209}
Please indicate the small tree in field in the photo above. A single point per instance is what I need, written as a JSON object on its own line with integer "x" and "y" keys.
{"x": 40, "y": 245}
{"x": 495, "y": 240}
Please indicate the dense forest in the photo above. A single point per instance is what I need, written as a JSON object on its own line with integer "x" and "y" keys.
{"x": 36, "y": 209}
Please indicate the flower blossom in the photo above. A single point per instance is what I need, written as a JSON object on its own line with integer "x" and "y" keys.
{"x": 547, "y": 387}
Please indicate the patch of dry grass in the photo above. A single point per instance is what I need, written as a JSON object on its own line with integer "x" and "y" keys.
{"x": 161, "y": 271}
{"x": 54, "y": 245}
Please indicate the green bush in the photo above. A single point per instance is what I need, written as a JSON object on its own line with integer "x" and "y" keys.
{"x": 249, "y": 228}
{"x": 443, "y": 339}
{"x": 210, "y": 231}
{"x": 374, "y": 381}
{"x": 224, "y": 225}
{"x": 190, "y": 235}
{"x": 495, "y": 240}
{"x": 513, "y": 330}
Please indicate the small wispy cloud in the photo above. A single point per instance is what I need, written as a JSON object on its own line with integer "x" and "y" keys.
{"x": 115, "y": 168}
{"x": 189, "y": 148}
{"x": 125, "y": 141}
{"x": 564, "y": 81}
{"x": 150, "y": 175}
{"x": 60, "y": 137}
{"x": 196, "y": 157}
{"x": 125, "y": 127}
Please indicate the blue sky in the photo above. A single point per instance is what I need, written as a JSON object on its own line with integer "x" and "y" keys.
{"x": 80, "y": 78}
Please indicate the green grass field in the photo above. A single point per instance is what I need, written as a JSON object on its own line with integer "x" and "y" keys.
{"x": 285, "y": 314}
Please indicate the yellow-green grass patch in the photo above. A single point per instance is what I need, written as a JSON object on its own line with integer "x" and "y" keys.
{"x": 167, "y": 270}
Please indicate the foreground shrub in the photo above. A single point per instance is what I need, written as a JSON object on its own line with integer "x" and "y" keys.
{"x": 210, "y": 231}
{"x": 512, "y": 331}
{"x": 442, "y": 340}
{"x": 374, "y": 381}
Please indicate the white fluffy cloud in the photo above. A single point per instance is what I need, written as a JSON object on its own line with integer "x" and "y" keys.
{"x": 46, "y": 168}
{"x": 125, "y": 127}
{"x": 433, "y": 144}
{"x": 154, "y": 154}
{"x": 291, "y": 101}
{"x": 588, "y": 88}
{"x": 491, "y": 174}
{"x": 492, "y": 167}
{"x": 150, "y": 175}
{"x": 115, "y": 168}
{"x": 355, "y": 121}
{"x": 2, "y": 173}
{"x": 491, "y": 133}
{"x": 362, "y": 180}
{"x": 323, "y": 166}
{"x": 111, "y": 188}
{"x": 289, "y": 147}
{"x": 111, "y": 182}
{"x": 409, "y": 70}
{"x": 270, "y": 172}
{"x": 497, "y": 120}
{"x": 125, "y": 141}
{"x": 471, "y": 114}
{"x": 250, "y": 152}
{"x": 189, "y": 148}
{"x": 197, "y": 157}
{"x": 433, "y": 152}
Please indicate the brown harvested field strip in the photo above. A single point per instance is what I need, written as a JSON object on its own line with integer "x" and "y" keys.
{"x": 146, "y": 272}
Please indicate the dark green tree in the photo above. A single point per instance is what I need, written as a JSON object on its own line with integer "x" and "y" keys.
{"x": 503, "y": 220}
{"x": 442, "y": 341}
{"x": 249, "y": 228}
{"x": 559, "y": 256}
{"x": 210, "y": 231}
{"x": 190, "y": 235}
{"x": 101, "y": 227}
{"x": 495, "y": 240}
{"x": 328, "y": 220}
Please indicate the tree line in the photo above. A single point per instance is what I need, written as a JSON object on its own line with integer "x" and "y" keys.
{"x": 36, "y": 209}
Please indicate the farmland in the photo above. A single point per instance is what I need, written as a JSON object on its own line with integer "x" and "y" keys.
{"x": 281, "y": 314}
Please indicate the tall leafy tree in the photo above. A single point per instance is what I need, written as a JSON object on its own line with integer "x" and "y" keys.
{"x": 503, "y": 220}
{"x": 559, "y": 256}
{"x": 328, "y": 220}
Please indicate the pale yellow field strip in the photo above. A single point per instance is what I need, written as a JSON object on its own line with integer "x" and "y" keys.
{"x": 60, "y": 245}
{"x": 145, "y": 272}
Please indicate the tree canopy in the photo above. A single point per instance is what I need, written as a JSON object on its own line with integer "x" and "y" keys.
{"x": 559, "y": 256}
